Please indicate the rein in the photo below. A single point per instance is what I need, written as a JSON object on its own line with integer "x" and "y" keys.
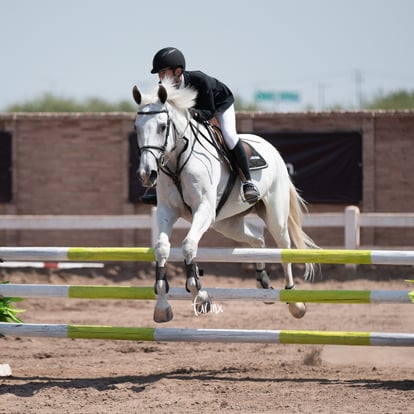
{"x": 162, "y": 164}
{"x": 195, "y": 129}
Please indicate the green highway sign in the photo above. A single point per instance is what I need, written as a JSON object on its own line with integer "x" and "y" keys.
{"x": 286, "y": 96}
{"x": 289, "y": 96}
{"x": 265, "y": 96}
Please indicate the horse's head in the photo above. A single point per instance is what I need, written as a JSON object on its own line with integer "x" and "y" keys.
{"x": 158, "y": 125}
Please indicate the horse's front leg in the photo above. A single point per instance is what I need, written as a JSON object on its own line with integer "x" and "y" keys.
{"x": 162, "y": 310}
{"x": 201, "y": 221}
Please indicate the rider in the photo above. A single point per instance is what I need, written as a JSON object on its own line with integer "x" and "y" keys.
{"x": 214, "y": 99}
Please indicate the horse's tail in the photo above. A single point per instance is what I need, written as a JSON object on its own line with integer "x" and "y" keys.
{"x": 300, "y": 239}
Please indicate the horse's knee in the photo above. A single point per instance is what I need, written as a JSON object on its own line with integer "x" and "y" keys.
{"x": 189, "y": 250}
{"x": 162, "y": 251}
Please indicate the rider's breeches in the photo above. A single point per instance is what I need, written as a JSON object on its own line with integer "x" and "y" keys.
{"x": 227, "y": 122}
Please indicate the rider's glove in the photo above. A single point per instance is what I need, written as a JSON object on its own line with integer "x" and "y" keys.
{"x": 194, "y": 113}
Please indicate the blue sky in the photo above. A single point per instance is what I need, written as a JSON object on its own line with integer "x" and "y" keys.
{"x": 101, "y": 48}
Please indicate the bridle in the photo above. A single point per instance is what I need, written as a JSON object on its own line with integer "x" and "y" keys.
{"x": 161, "y": 161}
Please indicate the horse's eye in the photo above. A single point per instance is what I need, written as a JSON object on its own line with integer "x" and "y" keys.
{"x": 162, "y": 128}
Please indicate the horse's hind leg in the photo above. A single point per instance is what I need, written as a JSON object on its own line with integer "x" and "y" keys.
{"x": 239, "y": 229}
{"x": 278, "y": 228}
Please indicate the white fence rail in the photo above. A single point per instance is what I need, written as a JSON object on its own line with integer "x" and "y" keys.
{"x": 351, "y": 220}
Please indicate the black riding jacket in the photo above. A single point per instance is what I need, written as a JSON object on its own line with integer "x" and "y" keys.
{"x": 213, "y": 95}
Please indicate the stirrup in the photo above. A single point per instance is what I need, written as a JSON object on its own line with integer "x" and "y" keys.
{"x": 251, "y": 193}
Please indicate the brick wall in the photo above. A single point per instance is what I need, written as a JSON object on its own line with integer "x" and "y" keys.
{"x": 78, "y": 164}
{"x": 388, "y": 151}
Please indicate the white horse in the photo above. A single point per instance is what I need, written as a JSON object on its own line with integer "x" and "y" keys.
{"x": 180, "y": 157}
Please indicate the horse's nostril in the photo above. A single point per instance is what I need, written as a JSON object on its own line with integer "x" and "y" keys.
{"x": 153, "y": 175}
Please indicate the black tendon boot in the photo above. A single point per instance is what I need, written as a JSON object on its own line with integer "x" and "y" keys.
{"x": 250, "y": 191}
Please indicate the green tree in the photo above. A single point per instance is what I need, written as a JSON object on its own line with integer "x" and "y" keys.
{"x": 52, "y": 103}
{"x": 395, "y": 100}
{"x": 241, "y": 105}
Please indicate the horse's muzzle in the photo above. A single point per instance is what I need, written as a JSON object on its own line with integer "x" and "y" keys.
{"x": 148, "y": 179}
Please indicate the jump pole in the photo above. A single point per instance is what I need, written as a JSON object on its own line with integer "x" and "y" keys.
{"x": 52, "y": 265}
{"x": 236, "y": 255}
{"x": 147, "y": 293}
{"x": 206, "y": 335}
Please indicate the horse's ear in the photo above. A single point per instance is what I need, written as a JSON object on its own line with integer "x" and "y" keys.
{"x": 136, "y": 94}
{"x": 162, "y": 93}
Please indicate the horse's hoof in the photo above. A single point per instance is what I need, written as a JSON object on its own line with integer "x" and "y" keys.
{"x": 162, "y": 315}
{"x": 193, "y": 286}
{"x": 263, "y": 282}
{"x": 262, "y": 279}
{"x": 297, "y": 309}
{"x": 202, "y": 302}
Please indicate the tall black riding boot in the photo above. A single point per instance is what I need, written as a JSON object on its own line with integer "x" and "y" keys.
{"x": 250, "y": 191}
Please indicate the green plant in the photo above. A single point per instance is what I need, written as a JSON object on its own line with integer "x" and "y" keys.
{"x": 7, "y": 312}
{"x": 411, "y": 294}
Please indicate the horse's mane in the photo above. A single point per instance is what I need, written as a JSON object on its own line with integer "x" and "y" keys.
{"x": 181, "y": 99}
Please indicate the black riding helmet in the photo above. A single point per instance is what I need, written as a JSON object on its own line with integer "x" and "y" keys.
{"x": 166, "y": 58}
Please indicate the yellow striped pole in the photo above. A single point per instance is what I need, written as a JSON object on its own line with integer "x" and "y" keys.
{"x": 207, "y": 335}
{"x": 220, "y": 255}
{"x": 216, "y": 294}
